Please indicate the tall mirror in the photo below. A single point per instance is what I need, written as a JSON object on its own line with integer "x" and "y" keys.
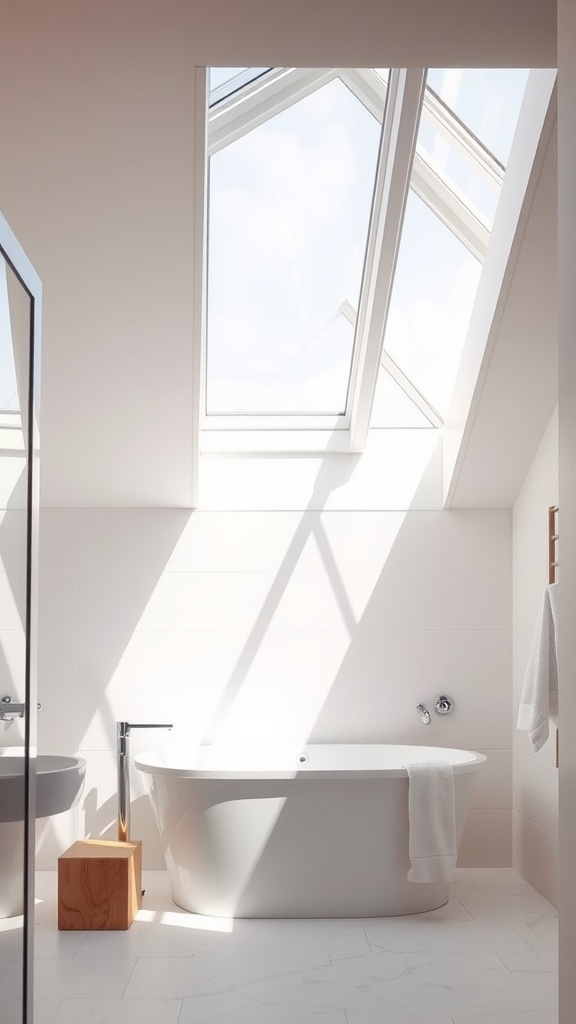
{"x": 20, "y": 303}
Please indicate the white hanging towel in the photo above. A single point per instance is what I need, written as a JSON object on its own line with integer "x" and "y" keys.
{"x": 539, "y": 700}
{"x": 431, "y": 821}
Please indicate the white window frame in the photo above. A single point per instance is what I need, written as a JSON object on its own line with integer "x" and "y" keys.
{"x": 398, "y": 106}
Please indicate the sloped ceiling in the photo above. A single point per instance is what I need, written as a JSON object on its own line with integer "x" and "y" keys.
{"x": 520, "y": 388}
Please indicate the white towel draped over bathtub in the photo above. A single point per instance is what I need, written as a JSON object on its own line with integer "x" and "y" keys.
{"x": 431, "y": 821}
{"x": 539, "y": 700}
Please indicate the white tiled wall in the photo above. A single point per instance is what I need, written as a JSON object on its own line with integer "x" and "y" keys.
{"x": 320, "y": 625}
{"x": 535, "y": 778}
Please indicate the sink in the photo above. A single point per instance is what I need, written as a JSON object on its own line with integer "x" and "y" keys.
{"x": 59, "y": 782}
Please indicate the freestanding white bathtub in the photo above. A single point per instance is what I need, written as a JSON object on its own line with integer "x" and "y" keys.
{"x": 320, "y": 831}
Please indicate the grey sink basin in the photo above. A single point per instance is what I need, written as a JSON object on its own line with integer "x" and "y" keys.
{"x": 59, "y": 783}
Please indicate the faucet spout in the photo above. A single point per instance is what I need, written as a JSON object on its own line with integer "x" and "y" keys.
{"x": 123, "y": 731}
{"x": 426, "y": 717}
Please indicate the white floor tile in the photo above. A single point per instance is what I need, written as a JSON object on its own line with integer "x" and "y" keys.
{"x": 399, "y": 935}
{"x": 44, "y": 1010}
{"x": 489, "y": 876}
{"x": 189, "y": 976}
{"x": 377, "y": 1017}
{"x": 524, "y": 1017}
{"x": 440, "y": 984}
{"x": 117, "y": 1011}
{"x": 230, "y": 1008}
{"x": 105, "y": 978}
{"x": 317, "y": 990}
{"x": 503, "y": 902}
{"x": 487, "y": 957}
{"x": 543, "y": 961}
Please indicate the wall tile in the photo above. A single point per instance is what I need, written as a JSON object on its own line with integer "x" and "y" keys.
{"x": 478, "y": 540}
{"x": 547, "y": 782}
{"x": 525, "y": 841}
{"x": 172, "y": 601}
{"x": 548, "y": 866}
{"x": 57, "y": 600}
{"x": 521, "y": 644}
{"x": 405, "y": 601}
{"x": 159, "y": 660}
{"x": 128, "y": 540}
{"x": 58, "y": 540}
{"x": 56, "y": 723}
{"x": 526, "y": 788}
{"x": 493, "y": 783}
{"x": 320, "y": 600}
{"x": 367, "y": 542}
{"x": 12, "y": 540}
{"x": 13, "y": 662}
{"x": 56, "y": 661}
{"x": 487, "y": 840}
{"x": 478, "y": 659}
{"x": 242, "y": 541}
{"x": 381, "y": 716}
{"x": 478, "y": 600}
{"x": 480, "y": 720}
{"x": 190, "y": 713}
{"x": 528, "y": 594}
{"x": 382, "y": 659}
{"x": 12, "y": 601}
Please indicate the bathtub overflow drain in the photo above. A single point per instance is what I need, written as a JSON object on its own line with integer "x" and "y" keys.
{"x": 303, "y": 758}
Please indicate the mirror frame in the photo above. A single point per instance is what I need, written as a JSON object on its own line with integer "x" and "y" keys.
{"x": 21, "y": 266}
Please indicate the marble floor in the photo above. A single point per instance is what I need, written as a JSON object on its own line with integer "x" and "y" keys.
{"x": 487, "y": 957}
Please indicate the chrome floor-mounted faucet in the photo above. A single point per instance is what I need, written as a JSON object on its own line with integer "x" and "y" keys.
{"x": 123, "y": 730}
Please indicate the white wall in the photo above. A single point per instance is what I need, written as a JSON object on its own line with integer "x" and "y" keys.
{"x": 567, "y": 515}
{"x": 97, "y": 181}
{"x": 535, "y": 775}
{"x": 321, "y": 624}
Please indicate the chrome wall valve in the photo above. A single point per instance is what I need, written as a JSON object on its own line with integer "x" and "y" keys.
{"x": 443, "y": 705}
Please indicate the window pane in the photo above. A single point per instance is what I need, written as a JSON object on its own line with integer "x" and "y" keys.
{"x": 433, "y": 294}
{"x": 487, "y": 100}
{"x": 289, "y": 205}
{"x": 461, "y": 171}
{"x": 393, "y": 408}
{"x": 9, "y": 399}
{"x": 225, "y": 81}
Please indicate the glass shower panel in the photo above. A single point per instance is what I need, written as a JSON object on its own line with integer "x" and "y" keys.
{"x": 17, "y": 648}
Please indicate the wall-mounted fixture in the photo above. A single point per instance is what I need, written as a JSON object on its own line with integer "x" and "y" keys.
{"x": 426, "y": 717}
{"x": 443, "y": 705}
{"x": 11, "y": 709}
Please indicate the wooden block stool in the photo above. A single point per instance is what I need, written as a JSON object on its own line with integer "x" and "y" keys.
{"x": 99, "y": 884}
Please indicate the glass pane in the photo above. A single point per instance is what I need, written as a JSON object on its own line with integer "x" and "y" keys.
{"x": 434, "y": 290}
{"x": 15, "y": 312}
{"x": 224, "y": 81}
{"x": 487, "y": 100}
{"x": 9, "y": 399}
{"x": 289, "y": 205}
{"x": 460, "y": 170}
{"x": 392, "y": 407}
{"x": 384, "y": 73}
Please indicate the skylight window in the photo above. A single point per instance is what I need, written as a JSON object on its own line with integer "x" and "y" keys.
{"x": 348, "y": 215}
{"x": 288, "y": 220}
{"x": 486, "y": 100}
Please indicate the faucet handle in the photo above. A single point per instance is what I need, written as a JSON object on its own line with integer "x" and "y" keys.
{"x": 149, "y": 725}
{"x": 443, "y": 705}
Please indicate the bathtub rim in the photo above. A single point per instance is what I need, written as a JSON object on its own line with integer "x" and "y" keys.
{"x": 156, "y": 761}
